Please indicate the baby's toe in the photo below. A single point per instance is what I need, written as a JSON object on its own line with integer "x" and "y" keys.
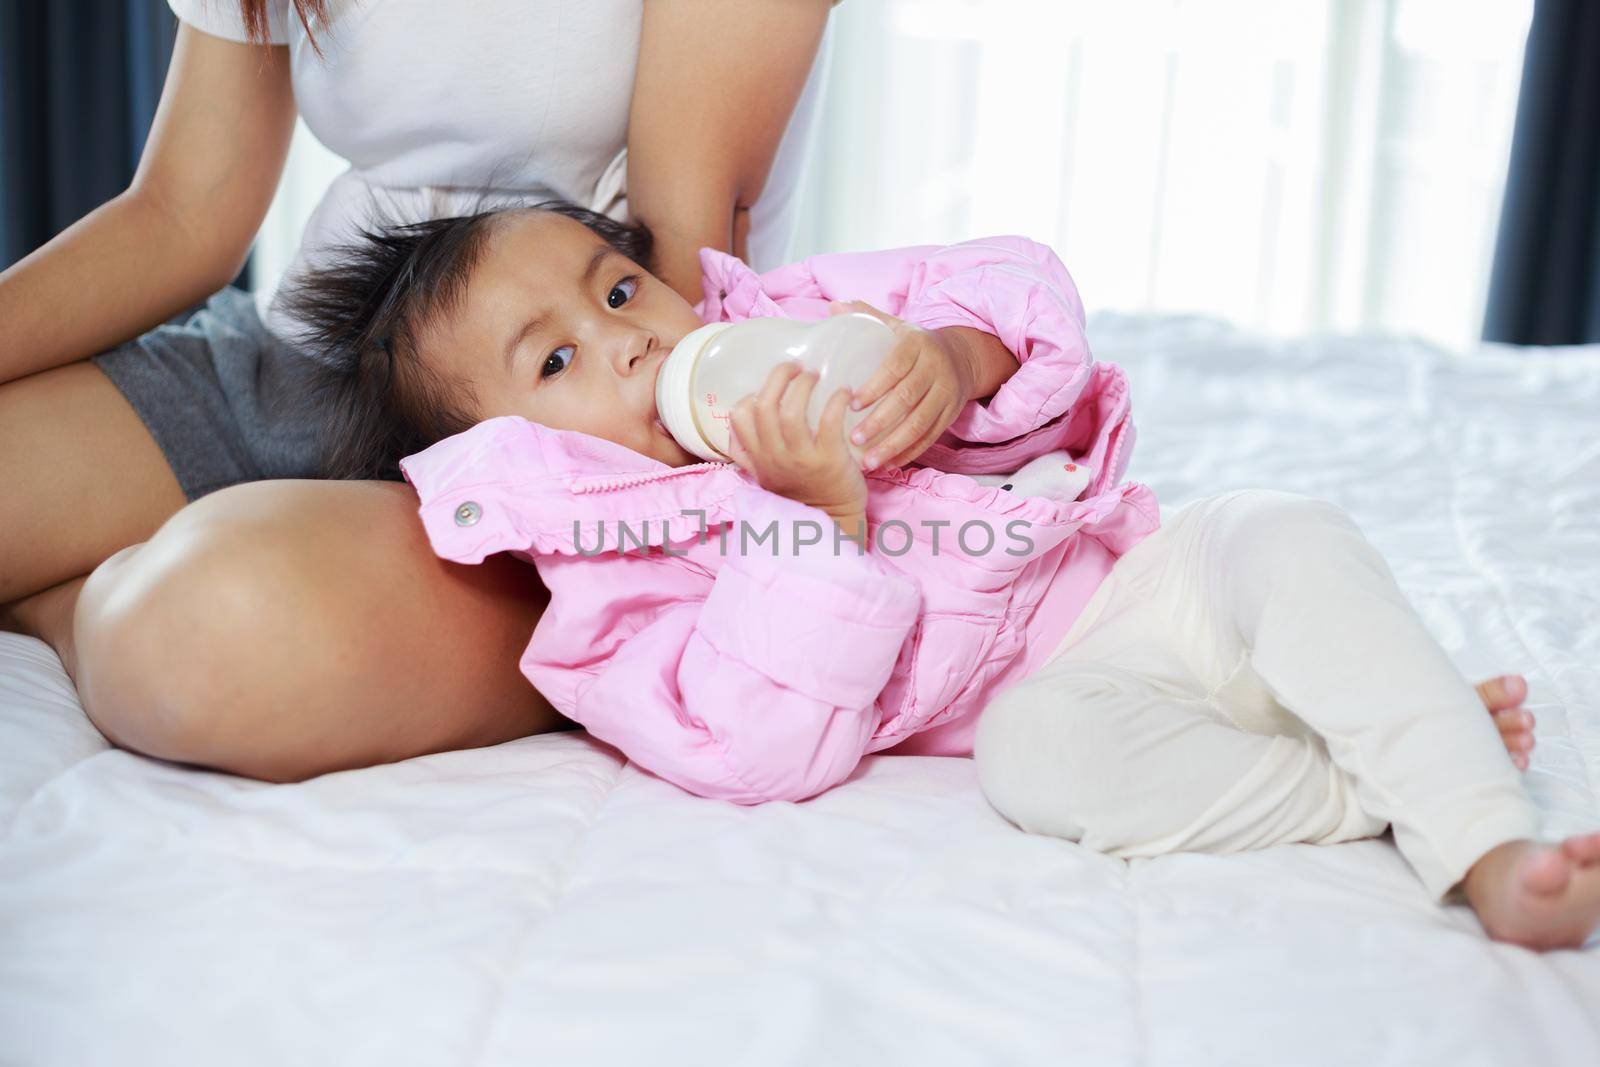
{"x": 1545, "y": 872}
{"x": 1506, "y": 691}
{"x": 1583, "y": 848}
{"x": 1516, "y": 731}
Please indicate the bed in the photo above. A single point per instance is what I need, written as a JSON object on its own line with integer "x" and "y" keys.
{"x": 547, "y": 902}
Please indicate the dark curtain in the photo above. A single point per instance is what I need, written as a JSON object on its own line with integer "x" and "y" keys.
{"x": 1545, "y": 285}
{"x": 79, "y": 82}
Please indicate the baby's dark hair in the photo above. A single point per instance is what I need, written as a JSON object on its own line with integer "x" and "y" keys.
{"x": 362, "y": 312}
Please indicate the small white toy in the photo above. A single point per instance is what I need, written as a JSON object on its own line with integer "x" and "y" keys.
{"x": 1055, "y": 475}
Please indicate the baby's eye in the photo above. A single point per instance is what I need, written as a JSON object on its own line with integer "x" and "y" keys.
{"x": 622, "y": 292}
{"x": 556, "y": 362}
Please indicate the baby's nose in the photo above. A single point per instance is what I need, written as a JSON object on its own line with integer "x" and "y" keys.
{"x": 635, "y": 350}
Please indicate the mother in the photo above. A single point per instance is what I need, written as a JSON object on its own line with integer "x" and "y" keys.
{"x": 280, "y": 628}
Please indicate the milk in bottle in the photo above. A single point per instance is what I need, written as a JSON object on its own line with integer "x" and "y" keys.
{"x": 716, "y": 366}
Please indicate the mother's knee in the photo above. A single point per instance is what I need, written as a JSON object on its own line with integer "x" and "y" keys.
{"x": 165, "y": 631}
{"x": 285, "y": 629}
{"x": 131, "y": 630}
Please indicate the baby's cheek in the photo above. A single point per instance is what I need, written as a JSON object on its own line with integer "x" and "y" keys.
{"x": 489, "y": 402}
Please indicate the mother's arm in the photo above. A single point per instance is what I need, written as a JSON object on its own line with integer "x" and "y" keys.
{"x": 716, "y": 84}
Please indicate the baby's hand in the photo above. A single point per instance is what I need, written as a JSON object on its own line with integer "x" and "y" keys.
{"x": 771, "y": 439}
{"x": 924, "y": 383}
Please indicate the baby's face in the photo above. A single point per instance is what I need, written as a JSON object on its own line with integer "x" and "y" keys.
{"x": 559, "y": 328}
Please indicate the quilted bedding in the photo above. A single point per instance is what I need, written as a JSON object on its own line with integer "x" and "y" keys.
{"x": 546, "y": 902}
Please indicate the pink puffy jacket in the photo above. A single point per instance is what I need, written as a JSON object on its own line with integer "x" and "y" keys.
{"x": 756, "y": 662}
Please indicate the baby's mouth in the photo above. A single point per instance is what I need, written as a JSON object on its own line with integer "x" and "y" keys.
{"x": 655, "y": 413}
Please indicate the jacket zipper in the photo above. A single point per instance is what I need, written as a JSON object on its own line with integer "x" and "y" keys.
{"x": 628, "y": 481}
{"x": 1121, "y": 432}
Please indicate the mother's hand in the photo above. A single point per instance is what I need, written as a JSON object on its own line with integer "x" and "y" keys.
{"x": 716, "y": 83}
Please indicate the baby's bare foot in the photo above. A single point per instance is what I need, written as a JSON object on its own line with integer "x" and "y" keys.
{"x": 1502, "y": 697}
{"x": 1537, "y": 895}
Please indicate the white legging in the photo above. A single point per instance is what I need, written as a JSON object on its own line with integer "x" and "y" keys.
{"x": 1251, "y": 675}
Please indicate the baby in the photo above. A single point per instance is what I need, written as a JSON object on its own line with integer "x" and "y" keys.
{"x": 1246, "y": 674}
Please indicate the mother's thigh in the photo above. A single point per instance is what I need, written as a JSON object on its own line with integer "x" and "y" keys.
{"x": 80, "y": 477}
{"x": 284, "y": 629}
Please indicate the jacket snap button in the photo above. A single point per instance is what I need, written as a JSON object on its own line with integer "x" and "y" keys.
{"x": 468, "y": 513}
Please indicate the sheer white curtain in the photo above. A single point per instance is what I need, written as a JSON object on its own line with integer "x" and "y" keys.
{"x": 1292, "y": 165}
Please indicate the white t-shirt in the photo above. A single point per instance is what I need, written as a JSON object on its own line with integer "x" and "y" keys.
{"x": 437, "y": 104}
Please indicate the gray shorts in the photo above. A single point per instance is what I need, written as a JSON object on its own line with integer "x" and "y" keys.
{"x": 225, "y": 399}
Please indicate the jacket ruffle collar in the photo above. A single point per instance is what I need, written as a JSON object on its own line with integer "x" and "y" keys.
{"x": 733, "y": 291}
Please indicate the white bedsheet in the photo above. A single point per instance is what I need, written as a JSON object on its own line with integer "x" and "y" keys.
{"x": 544, "y": 902}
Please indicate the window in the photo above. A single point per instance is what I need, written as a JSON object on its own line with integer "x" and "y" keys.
{"x": 1292, "y": 165}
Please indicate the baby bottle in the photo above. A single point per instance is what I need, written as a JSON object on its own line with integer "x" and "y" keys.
{"x": 716, "y": 366}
